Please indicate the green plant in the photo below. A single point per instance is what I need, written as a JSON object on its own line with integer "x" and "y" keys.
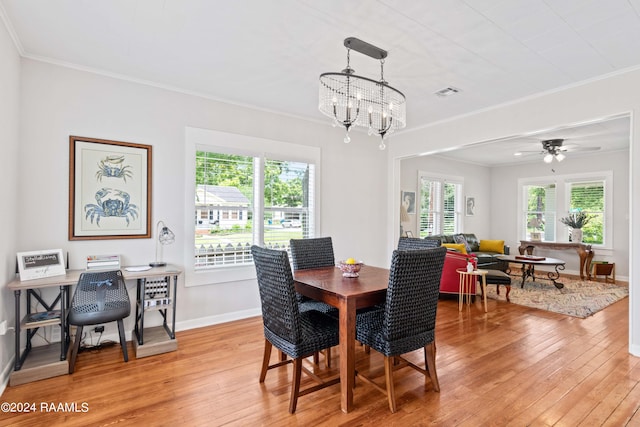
{"x": 576, "y": 220}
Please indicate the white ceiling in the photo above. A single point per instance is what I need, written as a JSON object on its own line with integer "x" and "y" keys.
{"x": 269, "y": 54}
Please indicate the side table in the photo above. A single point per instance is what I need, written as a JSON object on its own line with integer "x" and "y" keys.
{"x": 466, "y": 280}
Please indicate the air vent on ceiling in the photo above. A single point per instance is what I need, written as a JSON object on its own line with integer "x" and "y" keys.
{"x": 447, "y": 91}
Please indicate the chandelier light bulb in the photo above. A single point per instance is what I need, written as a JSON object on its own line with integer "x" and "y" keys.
{"x": 548, "y": 158}
{"x": 347, "y": 139}
{"x": 560, "y": 157}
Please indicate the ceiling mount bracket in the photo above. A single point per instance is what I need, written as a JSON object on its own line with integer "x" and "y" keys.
{"x": 364, "y": 48}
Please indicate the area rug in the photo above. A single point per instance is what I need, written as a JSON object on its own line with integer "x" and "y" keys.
{"x": 578, "y": 298}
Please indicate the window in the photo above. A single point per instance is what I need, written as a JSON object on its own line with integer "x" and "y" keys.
{"x": 588, "y": 197}
{"x": 540, "y": 210}
{"x": 258, "y": 200}
{"x": 546, "y": 201}
{"x": 440, "y": 205}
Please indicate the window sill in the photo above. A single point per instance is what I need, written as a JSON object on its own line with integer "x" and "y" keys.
{"x": 219, "y": 275}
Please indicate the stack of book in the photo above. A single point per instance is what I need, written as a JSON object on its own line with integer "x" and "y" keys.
{"x": 103, "y": 262}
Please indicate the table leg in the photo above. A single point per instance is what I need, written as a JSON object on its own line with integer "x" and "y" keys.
{"x": 347, "y": 310}
{"x": 484, "y": 291}
{"x": 588, "y": 263}
{"x": 17, "y": 363}
{"x": 461, "y": 291}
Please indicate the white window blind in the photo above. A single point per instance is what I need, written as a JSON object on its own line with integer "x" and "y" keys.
{"x": 589, "y": 197}
{"x": 440, "y": 206}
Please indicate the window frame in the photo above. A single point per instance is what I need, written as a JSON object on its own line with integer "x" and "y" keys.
{"x": 563, "y": 202}
{"x": 197, "y": 139}
{"x": 460, "y": 202}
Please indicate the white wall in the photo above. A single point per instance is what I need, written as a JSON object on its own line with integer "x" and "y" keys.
{"x": 477, "y": 183}
{"x": 58, "y": 102}
{"x": 504, "y": 184}
{"x": 9, "y": 142}
{"x": 617, "y": 94}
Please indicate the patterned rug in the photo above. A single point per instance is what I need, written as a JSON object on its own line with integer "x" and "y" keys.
{"x": 577, "y": 298}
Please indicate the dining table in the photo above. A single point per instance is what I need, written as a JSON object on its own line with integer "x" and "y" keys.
{"x": 347, "y": 294}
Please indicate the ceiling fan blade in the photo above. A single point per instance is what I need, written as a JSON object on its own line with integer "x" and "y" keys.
{"x": 584, "y": 149}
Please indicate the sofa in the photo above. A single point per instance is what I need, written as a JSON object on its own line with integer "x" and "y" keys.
{"x": 486, "y": 251}
{"x": 455, "y": 260}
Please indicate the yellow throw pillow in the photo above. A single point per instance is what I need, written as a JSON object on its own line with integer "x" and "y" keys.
{"x": 460, "y": 247}
{"x": 492, "y": 246}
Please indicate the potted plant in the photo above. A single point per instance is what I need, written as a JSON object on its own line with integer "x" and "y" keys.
{"x": 575, "y": 221}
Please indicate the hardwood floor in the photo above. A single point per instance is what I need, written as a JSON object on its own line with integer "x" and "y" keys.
{"x": 511, "y": 366}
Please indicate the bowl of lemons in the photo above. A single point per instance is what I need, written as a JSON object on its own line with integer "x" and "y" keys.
{"x": 350, "y": 267}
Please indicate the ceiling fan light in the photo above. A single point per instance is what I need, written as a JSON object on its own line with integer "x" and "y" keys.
{"x": 560, "y": 157}
{"x": 548, "y": 158}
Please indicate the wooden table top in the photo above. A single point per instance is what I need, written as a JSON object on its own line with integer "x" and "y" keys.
{"x": 546, "y": 261}
{"x": 327, "y": 284}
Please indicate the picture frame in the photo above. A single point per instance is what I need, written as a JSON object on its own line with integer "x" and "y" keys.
{"x": 470, "y": 206}
{"x": 408, "y": 233}
{"x": 109, "y": 189}
{"x": 39, "y": 264}
{"x": 409, "y": 201}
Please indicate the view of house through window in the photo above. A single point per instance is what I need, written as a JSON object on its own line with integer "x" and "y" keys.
{"x": 440, "y": 206}
{"x": 242, "y": 200}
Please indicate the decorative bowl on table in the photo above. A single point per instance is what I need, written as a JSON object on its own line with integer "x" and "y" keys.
{"x": 350, "y": 269}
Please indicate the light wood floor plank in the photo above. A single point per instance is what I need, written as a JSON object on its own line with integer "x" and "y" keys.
{"x": 511, "y": 366}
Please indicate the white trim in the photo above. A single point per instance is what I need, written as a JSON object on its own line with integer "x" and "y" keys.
{"x": 562, "y": 183}
{"x": 444, "y": 179}
{"x": 196, "y": 138}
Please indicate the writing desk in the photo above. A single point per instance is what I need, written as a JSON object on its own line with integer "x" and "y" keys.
{"x": 51, "y": 360}
{"x": 347, "y": 294}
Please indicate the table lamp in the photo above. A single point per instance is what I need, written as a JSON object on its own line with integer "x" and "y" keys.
{"x": 165, "y": 237}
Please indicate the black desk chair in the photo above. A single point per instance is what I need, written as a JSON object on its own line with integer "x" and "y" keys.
{"x": 298, "y": 334}
{"x": 100, "y": 297}
{"x": 408, "y": 319}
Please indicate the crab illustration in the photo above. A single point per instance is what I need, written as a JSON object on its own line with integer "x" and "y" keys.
{"x": 111, "y": 202}
{"x": 111, "y": 167}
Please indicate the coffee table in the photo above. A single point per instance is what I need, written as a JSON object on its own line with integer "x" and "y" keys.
{"x": 529, "y": 266}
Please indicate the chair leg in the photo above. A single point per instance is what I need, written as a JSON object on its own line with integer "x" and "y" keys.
{"x": 76, "y": 348}
{"x": 123, "y": 340}
{"x": 295, "y": 386}
{"x": 265, "y": 359}
{"x": 327, "y": 357}
{"x": 388, "y": 373}
{"x": 430, "y": 361}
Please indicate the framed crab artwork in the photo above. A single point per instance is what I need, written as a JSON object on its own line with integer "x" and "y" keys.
{"x": 109, "y": 189}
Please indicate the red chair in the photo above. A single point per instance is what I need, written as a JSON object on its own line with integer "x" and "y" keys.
{"x": 450, "y": 281}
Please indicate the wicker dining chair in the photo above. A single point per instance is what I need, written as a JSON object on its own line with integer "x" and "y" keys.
{"x": 298, "y": 334}
{"x": 408, "y": 320}
{"x": 413, "y": 243}
{"x": 100, "y": 297}
{"x": 314, "y": 253}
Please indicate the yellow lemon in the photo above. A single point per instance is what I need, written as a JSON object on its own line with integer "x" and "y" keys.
{"x": 350, "y": 261}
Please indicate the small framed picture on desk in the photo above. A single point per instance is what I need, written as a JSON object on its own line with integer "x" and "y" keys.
{"x": 40, "y": 264}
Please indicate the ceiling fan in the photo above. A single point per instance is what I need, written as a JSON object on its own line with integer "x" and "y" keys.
{"x": 555, "y": 149}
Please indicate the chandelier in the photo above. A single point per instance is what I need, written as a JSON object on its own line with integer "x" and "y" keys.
{"x": 352, "y": 100}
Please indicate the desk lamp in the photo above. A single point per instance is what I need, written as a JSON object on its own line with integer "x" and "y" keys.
{"x": 165, "y": 237}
